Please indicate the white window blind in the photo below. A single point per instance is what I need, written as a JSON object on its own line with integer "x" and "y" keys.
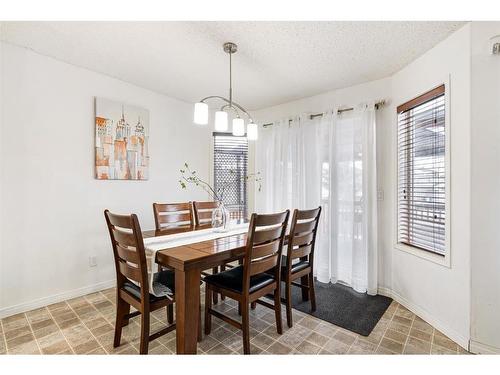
{"x": 421, "y": 172}
{"x": 230, "y": 171}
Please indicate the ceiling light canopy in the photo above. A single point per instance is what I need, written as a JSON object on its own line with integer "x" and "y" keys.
{"x": 221, "y": 116}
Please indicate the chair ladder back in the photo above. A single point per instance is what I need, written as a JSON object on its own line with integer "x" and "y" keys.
{"x": 203, "y": 213}
{"x": 173, "y": 215}
{"x": 128, "y": 249}
{"x": 303, "y": 234}
{"x": 266, "y": 234}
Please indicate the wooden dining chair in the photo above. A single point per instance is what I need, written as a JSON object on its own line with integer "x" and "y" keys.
{"x": 298, "y": 263}
{"x": 131, "y": 268}
{"x": 252, "y": 280}
{"x": 173, "y": 217}
{"x": 202, "y": 212}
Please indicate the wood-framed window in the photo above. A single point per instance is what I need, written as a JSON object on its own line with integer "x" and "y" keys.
{"x": 422, "y": 175}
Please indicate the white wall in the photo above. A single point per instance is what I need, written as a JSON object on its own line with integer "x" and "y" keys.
{"x": 485, "y": 185}
{"x": 52, "y": 207}
{"x": 1, "y": 184}
{"x": 376, "y": 90}
{"x": 438, "y": 293}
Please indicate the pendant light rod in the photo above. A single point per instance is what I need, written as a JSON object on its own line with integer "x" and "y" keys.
{"x": 230, "y": 79}
{"x": 201, "y": 108}
{"x": 230, "y": 48}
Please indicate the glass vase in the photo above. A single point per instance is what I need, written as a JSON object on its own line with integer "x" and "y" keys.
{"x": 220, "y": 218}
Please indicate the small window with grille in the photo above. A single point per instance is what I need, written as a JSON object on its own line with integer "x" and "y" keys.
{"x": 230, "y": 171}
{"x": 421, "y": 172}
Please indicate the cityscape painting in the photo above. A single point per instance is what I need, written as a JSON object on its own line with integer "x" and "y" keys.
{"x": 121, "y": 141}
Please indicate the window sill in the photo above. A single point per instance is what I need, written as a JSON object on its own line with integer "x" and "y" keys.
{"x": 427, "y": 255}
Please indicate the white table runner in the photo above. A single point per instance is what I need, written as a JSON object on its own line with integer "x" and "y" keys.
{"x": 154, "y": 244}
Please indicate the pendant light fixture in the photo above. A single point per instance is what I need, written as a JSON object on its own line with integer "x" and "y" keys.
{"x": 221, "y": 116}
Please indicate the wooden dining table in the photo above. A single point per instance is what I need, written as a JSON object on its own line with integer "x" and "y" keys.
{"x": 188, "y": 261}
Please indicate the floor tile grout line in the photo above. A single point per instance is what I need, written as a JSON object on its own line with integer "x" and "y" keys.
{"x": 3, "y": 335}
{"x": 59, "y": 327}
{"x": 323, "y": 346}
{"x": 329, "y": 338}
{"x": 83, "y": 323}
{"x": 337, "y": 328}
{"x": 408, "y": 336}
{"x": 432, "y": 338}
{"x": 434, "y": 345}
{"x": 439, "y": 346}
{"x": 106, "y": 319}
{"x": 355, "y": 340}
{"x": 386, "y": 328}
{"x": 33, "y": 333}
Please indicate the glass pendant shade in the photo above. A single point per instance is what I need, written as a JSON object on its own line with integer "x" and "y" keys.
{"x": 221, "y": 124}
{"x": 252, "y": 133}
{"x": 201, "y": 113}
{"x": 238, "y": 127}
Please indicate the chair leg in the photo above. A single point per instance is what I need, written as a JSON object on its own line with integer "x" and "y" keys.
{"x": 312, "y": 293}
{"x": 200, "y": 335}
{"x": 245, "y": 322}
{"x": 144, "y": 332}
{"x": 208, "y": 305}
{"x": 122, "y": 309}
{"x": 126, "y": 320}
{"x": 288, "y": 297}
{"x": 222, "y": 269}
{"x": 277, "y": 309}
{"x": 239, "y": 308}
{"x": 304, "y": 280}
{"x": 253, "y": 305}
{"x": 215, "y": 296}
{"x": 170, "y": 313}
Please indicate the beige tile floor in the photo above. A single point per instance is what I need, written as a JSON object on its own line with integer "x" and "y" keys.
{"x": 84, "y": 325}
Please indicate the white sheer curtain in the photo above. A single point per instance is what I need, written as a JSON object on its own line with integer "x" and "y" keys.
{"x": 289, "y": 167}
{"x": 330, "y": 160}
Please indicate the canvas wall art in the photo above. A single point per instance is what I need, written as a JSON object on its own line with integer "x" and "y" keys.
{"x": 121, "y": 141}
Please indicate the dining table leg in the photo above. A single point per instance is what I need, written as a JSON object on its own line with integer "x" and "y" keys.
{"x": 187, "y": 307}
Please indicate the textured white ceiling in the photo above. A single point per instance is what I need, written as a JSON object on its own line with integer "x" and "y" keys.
{"x": 277, "y": 61}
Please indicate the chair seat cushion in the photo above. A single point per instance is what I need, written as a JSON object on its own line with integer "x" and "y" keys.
{"x": 233, "y": 280}
{"x": 298, "y": 266}
{"x": 165, "y": 277}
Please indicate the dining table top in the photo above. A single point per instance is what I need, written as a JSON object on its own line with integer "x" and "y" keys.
{"x": 199, "y": 254}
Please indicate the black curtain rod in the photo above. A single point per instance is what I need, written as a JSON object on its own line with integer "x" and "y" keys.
{"x": 340, "y": 111}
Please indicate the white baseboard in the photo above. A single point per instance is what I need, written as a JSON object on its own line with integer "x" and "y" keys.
{"x": 480, "y": 348}
{"x": 41, "y": 302}
{"x": 425, "y": 315}
{"x": 383, "y": 291}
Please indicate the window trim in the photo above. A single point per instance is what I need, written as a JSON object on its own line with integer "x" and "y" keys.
{"x": 414, "y": 100}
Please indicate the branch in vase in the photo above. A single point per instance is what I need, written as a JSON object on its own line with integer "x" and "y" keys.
{"x": 194, "y": 179}
{"x": 221, "y": 191}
